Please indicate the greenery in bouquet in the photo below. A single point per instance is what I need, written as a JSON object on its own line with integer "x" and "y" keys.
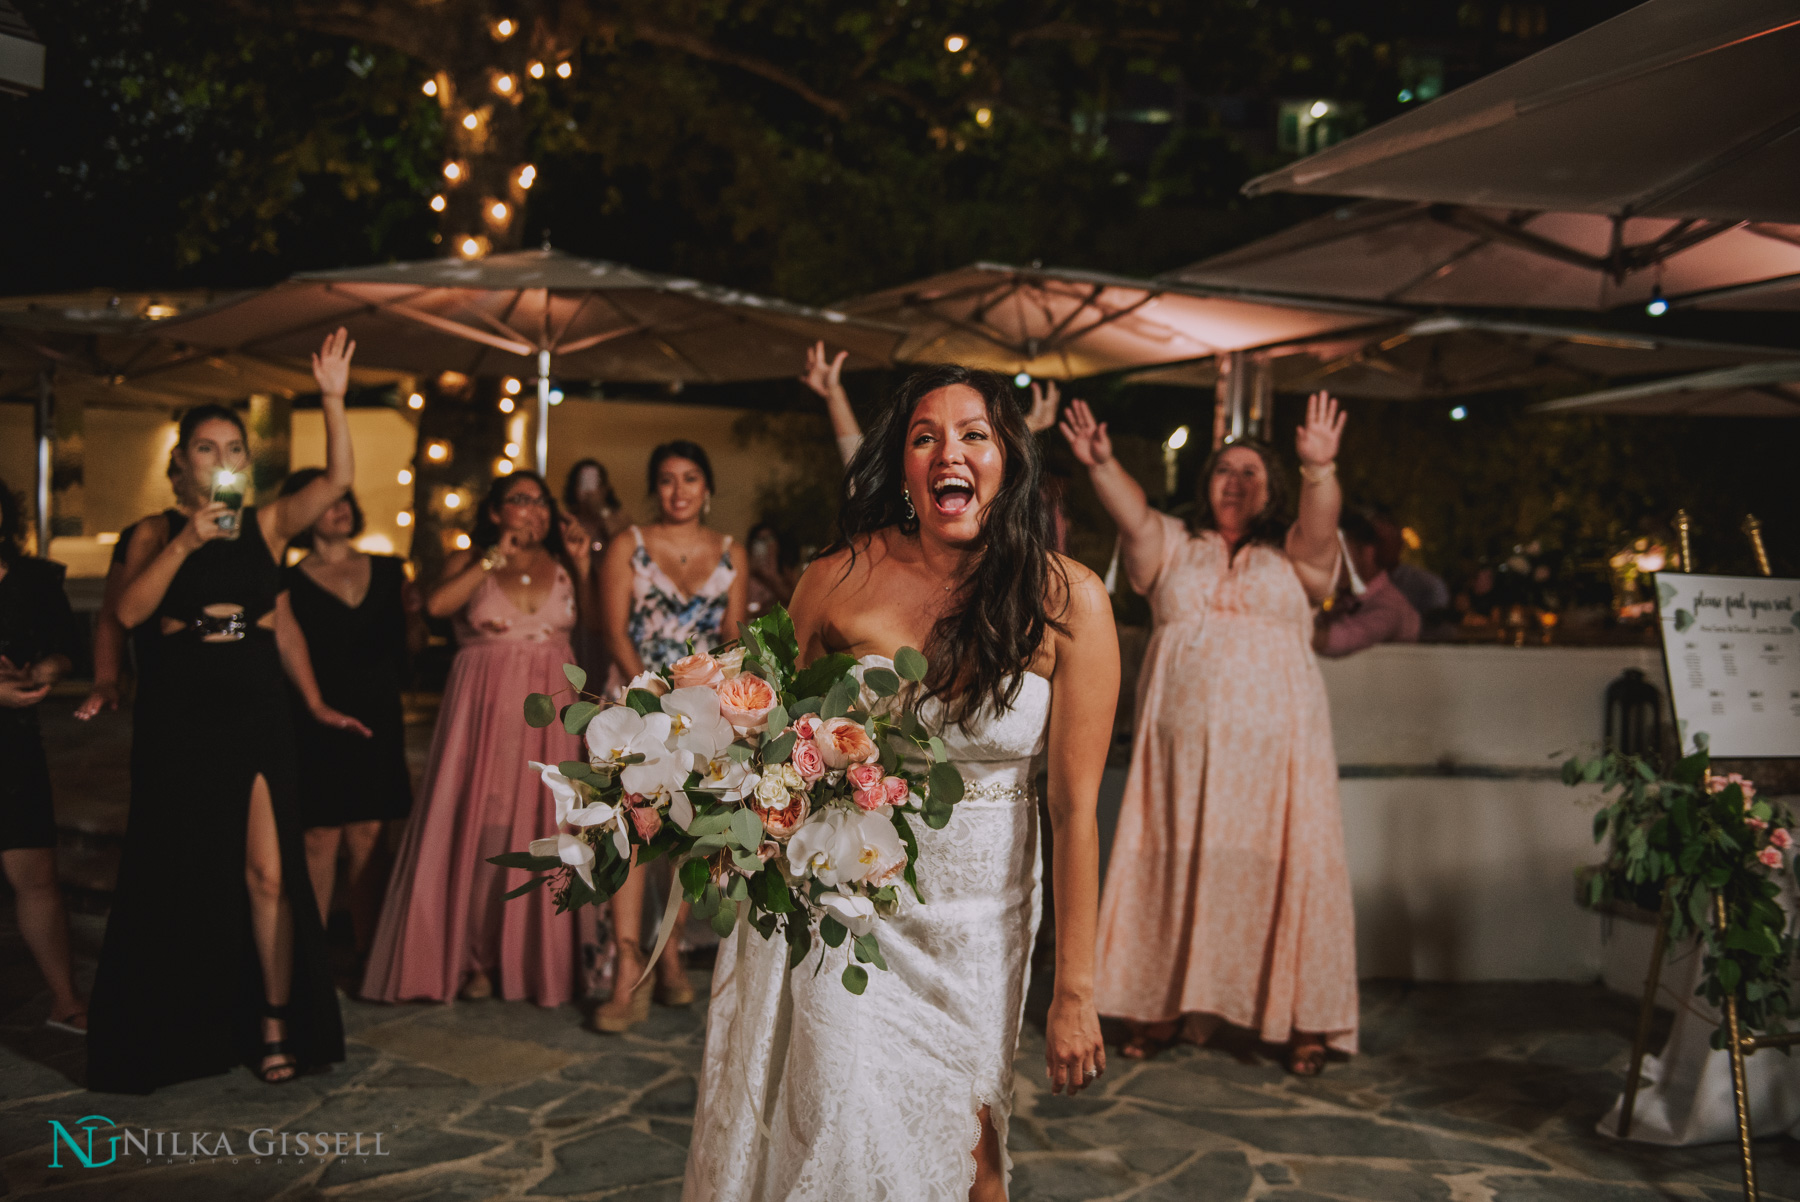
{"x": 1684, "y": 840}
{"x": 784, "y": 794}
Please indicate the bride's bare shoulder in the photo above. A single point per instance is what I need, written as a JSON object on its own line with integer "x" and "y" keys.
{"x": 1076, "y": 591}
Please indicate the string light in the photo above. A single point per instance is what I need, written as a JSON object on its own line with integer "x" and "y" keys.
{"x": 453, "y": 171}
{"x": 556, "y": 396}
{"x": 437, "y": 450}
{"x": 512, "y": 385}
{"x": 564, "y": 70}
{"x": 504, "y": 28}
{"x": 405, "y": 476}
{"x": 506, "y": 404}
{"x": 503, "y": 467}
{"x": 470, "y": 121}
{"x": 1022, "y": 380}
{"x": 430, "y": 87}
{"x": 499, "y": 211}
{"x": 452, "y": 500}
{"x": 1178, "y": 439}
{"x": 955, "y": 43}
{"x": 512, "y": 450}
{"x": 1319, "y": 109}
{"x": 403, "y": 518}
{"x": 415, "y": 401}
{"x": 535, "y": 70}
{"x": 438, "y": 203}
{"x": 1458, "y": 413}
{"x": 984, "y": 117}
{"x": 527, "y": 176}
{"x": 504, "y": 84}
{"x": 472, "y": 246}
{"x": 462, "y": 542}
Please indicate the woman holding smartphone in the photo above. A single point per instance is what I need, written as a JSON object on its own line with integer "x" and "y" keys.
{"x": 214, "y": 955}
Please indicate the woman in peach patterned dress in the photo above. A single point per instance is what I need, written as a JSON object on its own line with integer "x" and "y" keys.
{"x": 1227, "y": 897}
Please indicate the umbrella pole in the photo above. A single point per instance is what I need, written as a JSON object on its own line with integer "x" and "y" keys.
{"x": 46, "y": 430}
{"x": 543, "y": 421}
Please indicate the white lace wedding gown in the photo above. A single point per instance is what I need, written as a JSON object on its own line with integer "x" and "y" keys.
{"x": 810, "y": 1092}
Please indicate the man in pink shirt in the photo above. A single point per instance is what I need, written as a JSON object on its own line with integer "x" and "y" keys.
{"x": 1378, "y": 614}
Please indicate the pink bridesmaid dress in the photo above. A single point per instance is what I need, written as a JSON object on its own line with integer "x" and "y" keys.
{"x": 444, "y": 918}
{"x": 1227, "y": 892}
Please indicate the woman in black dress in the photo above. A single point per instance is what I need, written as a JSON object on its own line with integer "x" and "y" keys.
{"x": 352, "y": 608}
{"x": 37, "y": 645}
{"x": 213, "y": 954}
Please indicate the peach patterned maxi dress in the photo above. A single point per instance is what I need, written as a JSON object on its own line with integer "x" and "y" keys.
{"x": 1227, "y": 892}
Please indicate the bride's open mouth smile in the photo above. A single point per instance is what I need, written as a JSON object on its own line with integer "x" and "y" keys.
{"x": 953, "y": 494}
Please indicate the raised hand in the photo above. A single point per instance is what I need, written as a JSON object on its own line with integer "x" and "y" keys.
{"x": 822, "y": 376}
{"x": 1087, "y": 438}
{"x": 331, "y": 363}
{"x": 1316, "y": 442}
{"x": 337, "y": 720}
{"x": 577, "y": 544}
{"x": 1043, "y": 407}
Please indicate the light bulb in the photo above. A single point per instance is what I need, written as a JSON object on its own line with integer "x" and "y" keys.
{"x": 512, "y": 385}
{"x": 564, "y": 70}
{"x": 1458, "y": 413}
{"x": 506, "y": 404}
{"x": 503, "y": 467}
{"x": 438, "y": 203}
{"x": 1178, "y": 439}
{"x": 504, "y": 28}
{"x": 470, "y": 247}
{"x": 512, "y": 450}
{"x": 403, "y": 518}
{"x": 415, "y": 401}
{"x": 470, "y": 121}
{"x": 1319, "y": 109}
{"x": 1657, "y": 307}
{"x": 535, "y": 70}
{"x": 499, "y": 211}
{"x": 984, "y": 117}
{"x": 462, "y": 542}
{"x": 405, "y": 476}
{"x": 556, "y": 396}
{"x": 453, "y": 171}
{"x": 430, "y": 87}
{"x": 436, "y": 451}
{"x": 527, "y": 176}
{"x": 452, "y": 500}
{"x": 1022, "y": 380}
{"x": 955, "y": 43}
{"x": 504, "y": 84}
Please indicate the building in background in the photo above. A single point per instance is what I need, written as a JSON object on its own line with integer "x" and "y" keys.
{"x": 21, "y": 53}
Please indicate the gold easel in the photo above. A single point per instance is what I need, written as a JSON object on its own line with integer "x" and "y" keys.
{"x": 1736, "y": 1042}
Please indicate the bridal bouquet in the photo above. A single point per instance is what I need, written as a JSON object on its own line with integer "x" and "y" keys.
{"x": 782, "y": 793}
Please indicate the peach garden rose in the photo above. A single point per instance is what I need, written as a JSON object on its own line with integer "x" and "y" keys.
{"x": 843, "y": 743}
{"x": 698, "y": 670}
{"x": 807, "y": 761}
{"x": 745, "y": 702}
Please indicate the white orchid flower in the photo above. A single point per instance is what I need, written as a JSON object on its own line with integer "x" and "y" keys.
{"x": 879, "y": 853}
{"x": 572, "y": 851}
{"x": 696, "y": 724}
{"x": 597, "y": 814}
{"x": 825, "y": 848}
{"x": 561, "y": 788}
{"x": 612, "y": 732}
{"x": 733, "y": 780}
{"x": 853, "y": 910}
{"x": 648, "y": 681}
{"x": 681, "y": 810}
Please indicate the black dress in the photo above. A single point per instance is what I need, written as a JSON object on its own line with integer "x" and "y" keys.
{"x": 179, "y": 992}
{"x": 35, "y": 623}
{"x": 359, "y": 658}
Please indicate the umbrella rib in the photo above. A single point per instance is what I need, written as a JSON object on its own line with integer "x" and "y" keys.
{"x": 592, "y": 340}
{"x": 668, "y": 347}
{"x": 555, "y": 340}
{"x": 1461, "y": 218}
{"x": 457, "y": 329}
{"x": 1092, "y": 301}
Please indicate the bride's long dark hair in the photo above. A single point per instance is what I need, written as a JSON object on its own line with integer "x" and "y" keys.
{"x": 981, "y": 648}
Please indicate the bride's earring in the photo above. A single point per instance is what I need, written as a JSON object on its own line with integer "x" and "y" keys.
{"x": 706, "y": 506}
{"x": 911, "y": 514}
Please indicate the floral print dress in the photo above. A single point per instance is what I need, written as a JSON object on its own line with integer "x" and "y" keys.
{"x": 663, "y": 619}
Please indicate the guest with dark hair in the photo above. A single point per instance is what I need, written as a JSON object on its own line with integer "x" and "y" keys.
{"x": 214, "y": 954}
{"x": 445, "y": 930}
{"x": 1228, "y": 894}
{"x": 674, "y": 584}
{"x": 37, "y": 646}
{"x": 589, "y": 499}
{"x": 1367, "y": 609}
{"x": 110, "y": 637}
{"x": 352, "y": 610}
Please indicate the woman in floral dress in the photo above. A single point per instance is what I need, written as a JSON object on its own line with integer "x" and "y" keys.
{"x": 674, "y": 587}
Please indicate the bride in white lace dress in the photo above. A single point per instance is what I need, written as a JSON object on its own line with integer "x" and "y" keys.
{"x": 903, "y": 1094}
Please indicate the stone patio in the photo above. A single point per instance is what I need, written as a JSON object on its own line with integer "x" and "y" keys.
{"x": 1463, "y": 1094}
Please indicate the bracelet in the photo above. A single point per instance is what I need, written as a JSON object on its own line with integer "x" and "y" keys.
{"x": 1318, "y": 475}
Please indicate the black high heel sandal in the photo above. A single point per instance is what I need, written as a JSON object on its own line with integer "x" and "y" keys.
{"x": 286, "y": 1070}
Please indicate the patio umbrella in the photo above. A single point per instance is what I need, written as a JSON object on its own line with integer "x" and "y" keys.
{"x": 1061, "y": 323}
{"x": 1410, "y": 252}
{"x": 535, "y": 312}
{"x": 1752, "y": 390}
{"x": 1448, "y": 356}
{"x": 1674, "y": 109}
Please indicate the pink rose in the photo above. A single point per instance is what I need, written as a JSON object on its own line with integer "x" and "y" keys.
{"x": 644, "y": 815}
{"x": 897, "y": 790}
{"x": 745, "y": 702}
{"x": 807, "y": 761}
{"x": 843, "y": 743}
{"x": 699, "y": 670}
{"x": 1770, "y": 857}
{"x": 865, "y": 780}
{"x": 1755, "y": 824}
{"x": 1780, "y": 838}
{"x": 807, "y": 727}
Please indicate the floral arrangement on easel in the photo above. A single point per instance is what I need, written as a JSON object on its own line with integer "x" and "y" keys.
{"x": 1682, "y": 840}
{"x": 782, "y": 792}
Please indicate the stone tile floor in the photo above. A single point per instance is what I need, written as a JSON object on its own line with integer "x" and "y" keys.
{"x": 1484, "y": 1093}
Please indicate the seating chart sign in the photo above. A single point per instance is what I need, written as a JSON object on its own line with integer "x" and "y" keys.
{"x": 1732, "y": 648}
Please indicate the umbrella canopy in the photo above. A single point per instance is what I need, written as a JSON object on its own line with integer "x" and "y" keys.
{"x": 103, "y": 349}
{"x": 1752, "y": 390}
{"x": 1408, "y": 252}
{"x": 1451, "y": 356}
{"x": 1061, "y": 324}
{"x": 1674, "y": 109}
{"x": 497, "y": 315}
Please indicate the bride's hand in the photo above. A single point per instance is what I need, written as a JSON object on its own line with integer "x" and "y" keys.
{"x": 1074, "y": 1051}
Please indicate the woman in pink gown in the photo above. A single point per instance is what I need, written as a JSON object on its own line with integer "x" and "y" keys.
{"x": 1227, "y": 895}
{"x": 444, "y": 930}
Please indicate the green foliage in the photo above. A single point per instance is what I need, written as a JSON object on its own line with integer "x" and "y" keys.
{"x": 540, "y": 710}
{"x": 1686, "y": 841}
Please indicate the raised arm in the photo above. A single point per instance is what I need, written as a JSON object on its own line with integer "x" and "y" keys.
{"x": 463, "y": 573}
{"x": 825, "y": 377}
{"x": 1312, "y": 542}
{"x": 154, "y": 558}
{"x": 1084, "y": 692}
{"x": 615, "y": 605}
{"x": 288, "y": 516}
{"x": 1140, "y": 531}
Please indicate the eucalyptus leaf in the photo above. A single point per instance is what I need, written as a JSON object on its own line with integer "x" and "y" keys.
{"x": 540, "y": 710}
{"x": 778, "y": 718}
{"x": 910, "y": 664}
{"x": 777, "y": 750}
{"x": 856, "y": 979}
{"x": 821, "y": 674}
{"x": 522, "y": 890}
{"x": 577, "y": 675}
{"x": 747, "y": 829}
{"x": 711, "y": 824}
{"x": 832, "y": 931}
{"x": 946, "y": 783}
{"x": 576, "y": 717}
{"x": 525, "y": 860}
{"x": 643, "y": 701}
{"x": 694, "y": 876}
{"x": 882, "y": 682}
{"x": 724, "y": 920}
{"x": 838, "y": 701}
